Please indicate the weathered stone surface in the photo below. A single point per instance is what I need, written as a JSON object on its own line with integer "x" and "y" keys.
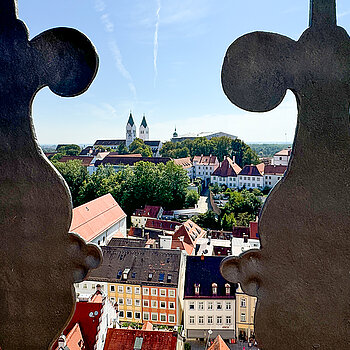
{"x": 301, "y": 274}
{"x": 39, "y": 260}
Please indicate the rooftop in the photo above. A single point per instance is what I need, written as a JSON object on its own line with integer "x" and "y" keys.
{"x": 205, "y": 271}
{"x": 128, "y": 339}
{"x": 143, "y": 265}
{"x": 253, "y": 170}
{"x": 92, "y": 218}
{"x": 227, "y": 168}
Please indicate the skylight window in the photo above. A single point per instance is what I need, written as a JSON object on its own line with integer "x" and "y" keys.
{"x": 161, "y": 277}
{"x": 119, "y": 275}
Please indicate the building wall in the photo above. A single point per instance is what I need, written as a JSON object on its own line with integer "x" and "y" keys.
{"x": 245, "y": 306}
{"x": 250, "y": 181}
{"x": 108, "y": 319}
{"x": 270, "y": 180}
{"x": 86, "y": 288}
{"x": 204, "y": 171}
{"x": 159, "y": 305}
{"x": 129, "y": 299}
{"x": 104, "y": 237}
{"x": 228, "y": 181}
{"x": 280, "y": 160}
{"x": 139, "y": 221}
{"x": 144, "y": 133}
{"x": 202, "y": 314}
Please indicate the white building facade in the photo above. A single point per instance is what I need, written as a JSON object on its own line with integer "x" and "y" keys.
{"x": 204, "y": 166}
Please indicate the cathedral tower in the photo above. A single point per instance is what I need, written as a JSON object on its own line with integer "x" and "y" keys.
{"x": 144, "y": 130}
{"x": 130, "y": 131}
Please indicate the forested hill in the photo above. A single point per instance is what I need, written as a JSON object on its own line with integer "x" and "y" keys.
{"x": 268, "y": 149}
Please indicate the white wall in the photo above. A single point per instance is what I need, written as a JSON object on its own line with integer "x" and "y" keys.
{"x": 197, "y": 313}
{"x": 251, "y": 181}
{"x": 104, "y": 237}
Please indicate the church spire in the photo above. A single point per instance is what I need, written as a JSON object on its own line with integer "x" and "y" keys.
{"x": 144, "y": 123}
{"x": 131, "y": 120}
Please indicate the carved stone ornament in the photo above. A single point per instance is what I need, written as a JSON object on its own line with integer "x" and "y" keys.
{"x": 301, "y": 275}
{"x": 39, "y": 260}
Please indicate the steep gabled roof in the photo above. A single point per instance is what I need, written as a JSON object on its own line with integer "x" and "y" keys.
{"x": 144, "y": 123}
{"x": 189, "y": 233}
{"x": 227, "y": 168}
{"x": 92, "y": 218}
{"x": 253, "y": 170}
{"x": 130, "y": 120}
{"x": 219, "y": 344}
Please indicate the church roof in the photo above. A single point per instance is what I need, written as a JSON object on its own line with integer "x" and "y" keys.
{"x": 144, "y": 123}
{"x": 131, "y": 120}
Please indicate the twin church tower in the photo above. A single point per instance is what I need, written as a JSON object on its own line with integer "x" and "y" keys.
{"x": 131, "y": 130}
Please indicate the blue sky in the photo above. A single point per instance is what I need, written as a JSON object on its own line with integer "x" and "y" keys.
{"x": 163, "y": 58}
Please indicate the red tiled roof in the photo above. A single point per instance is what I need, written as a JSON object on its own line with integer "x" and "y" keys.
{"x": 205, "y": 160}
{"x": 253, "y": 170}
{"x": 162, "y": 224}
{"x": 74, "y": 339}
{"x": 227, "y": 168}
{"x": 190, "y": 232}
{"x": 177, "y": 244}
{"x": 84, "y": 160}
{"x": 151, "y": 211}
{"x": 219, "y": 344}
{"x": 92, "y": 218}
{"x": 124, "y": 339}
{"x": 275, "y": 169}
{"x": 284, "y": 152}
{"x": 184, "y": 162}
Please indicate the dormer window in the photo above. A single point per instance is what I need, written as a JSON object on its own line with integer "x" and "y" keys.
{"x": 214, "y": 287}
{"x": 196, "y": 289}
{"x": 227, "y": 288}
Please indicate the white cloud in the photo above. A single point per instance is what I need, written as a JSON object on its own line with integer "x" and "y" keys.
{"x": 107, "y": 23}
{"x": 120, "y": 65}
{"x": 100, "y": 5}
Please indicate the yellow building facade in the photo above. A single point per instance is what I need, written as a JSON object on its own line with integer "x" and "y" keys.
{"x": 245, "y": 310}
{"x": 129, "y": 299}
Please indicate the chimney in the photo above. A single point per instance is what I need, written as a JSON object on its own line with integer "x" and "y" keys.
{"x": 245, "y": 238}
{"x": 202, "y": 257}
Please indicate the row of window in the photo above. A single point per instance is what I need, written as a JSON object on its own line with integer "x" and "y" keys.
{"x": 146, "y": 291}
{"x": 219, "y": 319}
{"x": 210, "y": 320}
{"x": 147, "y": 303}
{"x": 146, "y": 316}
{"x": 210, "y": 305}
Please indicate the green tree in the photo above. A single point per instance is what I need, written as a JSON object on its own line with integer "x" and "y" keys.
{"x": 138, "y": 146}
{"x": 207, "y": 220}
{"x": 69, "y": 150}
{"x": 228, "y": 221}
{"x": 75, "y": 175}
{"x": 101, "y": 182}
{"x": 191, "y": 199}
{"x": 122, "y": 149}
